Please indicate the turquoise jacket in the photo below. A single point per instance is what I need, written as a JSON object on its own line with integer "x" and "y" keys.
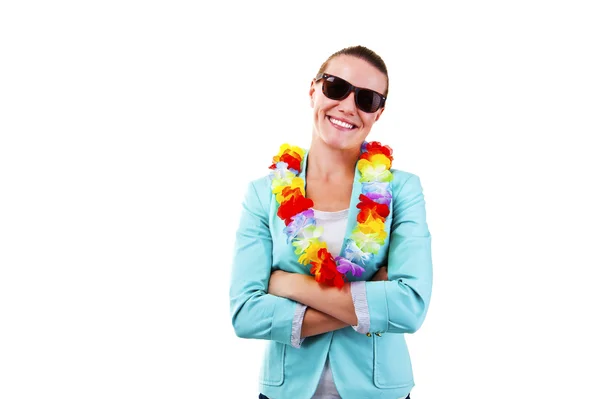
{"x": 375, "y": 365}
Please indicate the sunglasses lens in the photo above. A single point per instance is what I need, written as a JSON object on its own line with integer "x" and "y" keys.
{"x": 335, "y": 88}
{"x": 368, "y": 100}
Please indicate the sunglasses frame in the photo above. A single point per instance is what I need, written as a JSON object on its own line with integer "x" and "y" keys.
{"x": 351, "y": 88}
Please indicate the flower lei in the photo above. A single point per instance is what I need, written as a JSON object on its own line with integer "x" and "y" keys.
{"x": 296, "y": 211}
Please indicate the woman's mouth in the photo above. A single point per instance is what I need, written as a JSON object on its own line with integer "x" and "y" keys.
{"x": 340, "y": 124}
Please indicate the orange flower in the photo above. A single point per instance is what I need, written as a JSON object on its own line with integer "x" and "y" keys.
{"x": 375, "y": 147}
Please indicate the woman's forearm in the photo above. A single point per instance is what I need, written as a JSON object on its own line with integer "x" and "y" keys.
{"x": 330, "y": 300}
{"x": 316, "y": 322}
{"x": 335, "y": 302}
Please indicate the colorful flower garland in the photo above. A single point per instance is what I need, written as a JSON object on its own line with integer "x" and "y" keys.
{"x": 296, "y": 211}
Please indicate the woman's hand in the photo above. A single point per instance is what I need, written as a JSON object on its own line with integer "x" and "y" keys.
{"x": 381, "y": 275}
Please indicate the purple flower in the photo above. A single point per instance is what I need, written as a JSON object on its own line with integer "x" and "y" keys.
{"x": 383, "y": 199}
{"x": 344, "y": 266}
{"x": 363, "y": 147}
{"x": 376, "y": 187}
{"x": 354, "y": 253}
{"x": 378, "y": 192}
{"x": 299, "y": 222}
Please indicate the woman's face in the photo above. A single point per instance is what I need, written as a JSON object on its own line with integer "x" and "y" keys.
{"x": 333, "y": 117}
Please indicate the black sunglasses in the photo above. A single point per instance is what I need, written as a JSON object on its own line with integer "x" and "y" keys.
{"x": 336, "y": 88}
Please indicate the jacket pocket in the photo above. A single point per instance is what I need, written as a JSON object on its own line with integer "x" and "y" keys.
{"x": 392, "y": 367}
{"x": 271, "y": 372}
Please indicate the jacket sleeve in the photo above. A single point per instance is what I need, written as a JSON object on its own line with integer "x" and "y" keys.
{"x": 400, "y": 304}
{"x": 254, "y": 313}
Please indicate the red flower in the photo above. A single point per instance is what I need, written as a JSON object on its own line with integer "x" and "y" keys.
{"x": 292, "y": 159}
{"x": 325, "y": 270}
{"x": 375, "y": 147}
{"x": 293, "y": 162}
{"x": 294, "y": 202}
{"x": 369, "y": 208}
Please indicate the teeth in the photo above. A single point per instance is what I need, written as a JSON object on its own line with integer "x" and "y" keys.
{"x": 340, "y": 123}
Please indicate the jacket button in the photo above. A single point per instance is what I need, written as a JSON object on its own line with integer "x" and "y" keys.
{"x": 379, "y": 335}
{"x": 368, "y": 334}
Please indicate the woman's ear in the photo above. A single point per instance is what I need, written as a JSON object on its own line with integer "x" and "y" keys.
{"x": 311, "y": 93}
{"x": 379, "y": 114}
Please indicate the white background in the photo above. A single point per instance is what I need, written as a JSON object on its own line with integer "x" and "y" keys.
{"x": 128, "y": 133}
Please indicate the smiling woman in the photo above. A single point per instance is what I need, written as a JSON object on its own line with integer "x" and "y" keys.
{"x": 332, "y": 261}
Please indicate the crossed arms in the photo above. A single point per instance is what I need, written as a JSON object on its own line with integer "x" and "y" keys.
{"x": 263, "y": 304}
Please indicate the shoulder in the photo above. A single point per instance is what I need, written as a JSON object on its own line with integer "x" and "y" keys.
{"x": 404, "y": 182}
{"x": 408, "y": 204}
{"x": 261, "y": 184}
{"x": 258, "y": 192}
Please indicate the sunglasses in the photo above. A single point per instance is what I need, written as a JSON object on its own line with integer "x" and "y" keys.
{"x": 337, "y": 89}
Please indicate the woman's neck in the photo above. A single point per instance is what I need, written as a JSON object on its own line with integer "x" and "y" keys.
{"x": 326, "y": 163}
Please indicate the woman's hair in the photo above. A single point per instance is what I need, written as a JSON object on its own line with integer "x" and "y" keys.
{"x": 364, "y": 54}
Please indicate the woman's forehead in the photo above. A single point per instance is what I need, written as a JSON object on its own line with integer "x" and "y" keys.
{"x": 358, "y": 72}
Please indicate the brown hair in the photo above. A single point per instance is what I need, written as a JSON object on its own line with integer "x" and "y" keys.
{"x": 364, "y": 54}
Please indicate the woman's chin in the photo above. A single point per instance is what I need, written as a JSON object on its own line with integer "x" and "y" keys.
{"x": 341, "y": 143}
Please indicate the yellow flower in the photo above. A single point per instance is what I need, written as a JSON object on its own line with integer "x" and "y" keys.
{"x": 374, "y": 228}
{"x": 289, "y": 148}
{"x": 371, "y": 172}
{"x": 282, "y": 179}
{"x": 312, "y": 252}
{"x": 380, "y": 159}
{"x": 297, "y": 182}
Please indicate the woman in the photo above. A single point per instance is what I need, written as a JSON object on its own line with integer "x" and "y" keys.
{"x": 332, "y": 261}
